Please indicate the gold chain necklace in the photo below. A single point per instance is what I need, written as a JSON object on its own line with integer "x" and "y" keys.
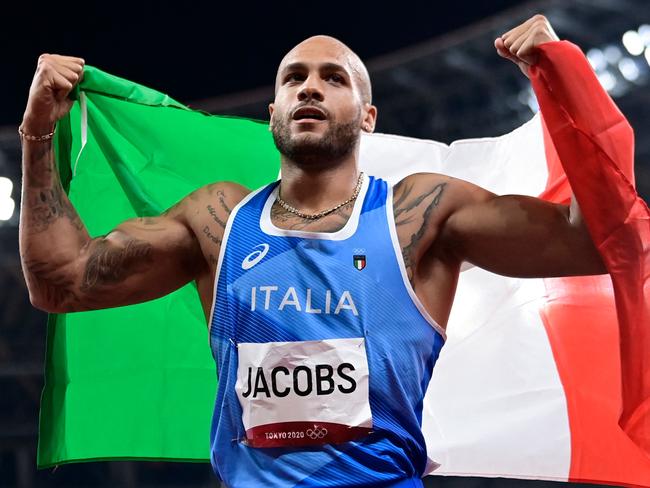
{"x": 319, "y": 215}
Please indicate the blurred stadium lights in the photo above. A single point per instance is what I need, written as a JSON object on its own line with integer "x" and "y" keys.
{"x": 629, "y": 69}
{"x": 633, "y": 42}
{"x": 612, "y": 54}
{"x": 8, "y": 175}
{"x": 644, "y": 33}
{"x": 616, "y": 71}
{"x": 448, "y": 88}
{"x": 527, "y": 97}
{"x": 7, "y": 203}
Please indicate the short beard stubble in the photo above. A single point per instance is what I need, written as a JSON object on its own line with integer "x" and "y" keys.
{"x": 338, "y": 142}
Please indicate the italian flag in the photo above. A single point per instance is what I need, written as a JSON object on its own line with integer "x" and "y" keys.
{"x": 539, "y": 378}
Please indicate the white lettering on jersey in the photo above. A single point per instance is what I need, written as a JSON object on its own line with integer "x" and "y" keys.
{"x": 293, "y": 298}
{"x": 255, "y": 257}
{"x": 308, "y": 308}
{"x": 328, "y": 301}
{"x": 304, "y": 392}
{"x": 294, "y": 301}
{"x": 348, "y": 306}
{"x": 267, "y": 299}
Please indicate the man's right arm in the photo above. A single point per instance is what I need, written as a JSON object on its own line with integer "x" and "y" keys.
{"x": 67, "y": 270}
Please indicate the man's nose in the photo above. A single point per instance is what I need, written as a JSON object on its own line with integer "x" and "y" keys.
{"x": 310, "y": 90}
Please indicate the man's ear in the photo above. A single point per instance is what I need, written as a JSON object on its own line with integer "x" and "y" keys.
{"x": 271, "y": 108}
{"x": 370, "y": 118}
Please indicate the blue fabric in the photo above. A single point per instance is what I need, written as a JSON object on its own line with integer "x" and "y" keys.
{"x": 402, "y": 347}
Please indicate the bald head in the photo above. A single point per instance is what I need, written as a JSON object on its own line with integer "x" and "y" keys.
{"x": 322, "y": 103}
{"x": 337, "y": 49}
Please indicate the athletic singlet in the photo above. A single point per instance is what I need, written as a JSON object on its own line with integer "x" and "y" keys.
{"x": 287, "y": 286}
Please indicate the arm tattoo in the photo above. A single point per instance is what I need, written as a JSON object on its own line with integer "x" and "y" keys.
{"x": 208, "y": 233}
{"x": 109, "y": 264}
{"x": 55, "y": 287}
{"x": 215, "y": 217}
{"x": 408, "y": 209}
{"x": 44, "y": 194}
{"x": 50, "y": 204}
{"x": 222, "y": 202}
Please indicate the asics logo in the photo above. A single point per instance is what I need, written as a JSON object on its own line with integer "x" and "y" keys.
{"x": 255, "y": 257}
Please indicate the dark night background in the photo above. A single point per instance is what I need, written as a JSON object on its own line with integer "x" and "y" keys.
{"x": 222, "y": 57}
{"x": 194, "y": 51}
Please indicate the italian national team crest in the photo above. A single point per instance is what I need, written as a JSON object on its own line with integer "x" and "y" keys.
{"x": 359, "y": 261}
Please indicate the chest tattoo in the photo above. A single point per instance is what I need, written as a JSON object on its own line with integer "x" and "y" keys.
{"x": 332, "y": 222}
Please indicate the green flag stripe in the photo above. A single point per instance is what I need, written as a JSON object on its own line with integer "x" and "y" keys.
{"x": 139, "y": 382}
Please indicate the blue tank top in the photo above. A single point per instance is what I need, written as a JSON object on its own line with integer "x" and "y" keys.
{"x": 358, "y": 283}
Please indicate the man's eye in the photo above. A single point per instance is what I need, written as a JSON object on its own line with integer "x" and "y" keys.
{"x": 335, "y": 78}
{"x": 293, "y": 77}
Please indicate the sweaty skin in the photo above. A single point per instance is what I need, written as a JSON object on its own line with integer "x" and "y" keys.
{"x": 441, "y": 221}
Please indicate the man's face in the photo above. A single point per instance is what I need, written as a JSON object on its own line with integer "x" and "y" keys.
{"x": 318, "y": 112}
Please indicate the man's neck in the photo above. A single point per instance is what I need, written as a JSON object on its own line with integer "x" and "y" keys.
{"x": 313, "y": 190}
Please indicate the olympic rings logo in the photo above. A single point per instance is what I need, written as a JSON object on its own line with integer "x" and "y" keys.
{"x": 317, "y": 432}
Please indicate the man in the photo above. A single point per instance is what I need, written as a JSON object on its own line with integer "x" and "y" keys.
{"x": 323, "y": 366}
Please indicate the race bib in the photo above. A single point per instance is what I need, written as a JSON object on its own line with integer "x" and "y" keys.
{"x": 304, "y": 393}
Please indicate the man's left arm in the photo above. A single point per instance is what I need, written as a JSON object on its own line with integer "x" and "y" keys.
{"x": 518, "y": 235}
{"x": 515, "y": 235}
{"x": 595, "y": 146}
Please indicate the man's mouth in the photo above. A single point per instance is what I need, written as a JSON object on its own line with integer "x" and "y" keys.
{"x": 309, "y": 114}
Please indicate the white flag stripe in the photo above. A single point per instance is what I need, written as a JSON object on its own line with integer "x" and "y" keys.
{"x": 495, "y": 405}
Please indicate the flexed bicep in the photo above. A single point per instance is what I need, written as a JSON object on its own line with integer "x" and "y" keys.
{"x": 141, "y": 259}
{"x": 518, "y": 235}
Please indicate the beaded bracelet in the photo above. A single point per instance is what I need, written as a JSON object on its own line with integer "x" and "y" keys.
{"x": 29, "y": 137}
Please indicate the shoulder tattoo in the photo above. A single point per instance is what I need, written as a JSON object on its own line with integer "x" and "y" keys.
{"x": 414, "y": 207}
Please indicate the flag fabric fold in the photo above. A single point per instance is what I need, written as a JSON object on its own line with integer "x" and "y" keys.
{"x": 595, "y": 145}
{"x": 138, "y": 381}
{"x": 535, "y": 373}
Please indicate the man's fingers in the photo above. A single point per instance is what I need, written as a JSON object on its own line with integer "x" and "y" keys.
{"x": 52, "y": 73}
{"x": 76, "y": 65}
{"x": 62, "y": 86}
{"x": 506, "y": 53}
{"x": 503, "y": 51}
{"x": 54, "y": 79}
{"x": 60, "y": 72}
{"x": 522, "y": 41}
{"x": 521, "y": 28}
{"x": 69, "y": 74}
{"x": 527, "y": 52}
{"x": 516, "y": 43}
{"x": 67, "y": 59}
{"x": 515, "y": 32}
{"x": 71, "y": 65}
{"x": 64, "y": 64}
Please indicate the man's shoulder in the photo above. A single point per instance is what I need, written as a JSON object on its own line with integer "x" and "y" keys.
{"x": 222, "y": 193}
{"x": 214, "y": 201}
{"x": 421, "y": 193}
{"x": 231, "y": 191}
{"x": 419, "y": 181}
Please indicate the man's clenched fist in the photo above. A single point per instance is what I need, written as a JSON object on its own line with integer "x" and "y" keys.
{"x": 48, "y": 95}
{"x": 519, "y": 45}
